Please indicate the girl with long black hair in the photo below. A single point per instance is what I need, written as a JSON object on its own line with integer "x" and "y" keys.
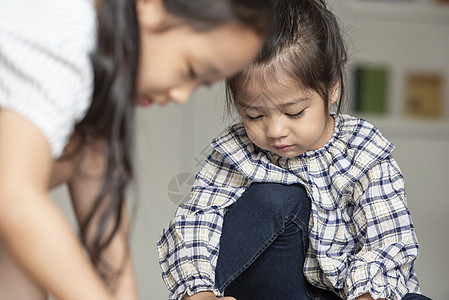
{"x": 71, "y": 74}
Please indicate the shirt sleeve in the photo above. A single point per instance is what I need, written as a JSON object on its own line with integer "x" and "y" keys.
{"x": 45, "y": 68}
{"x": 189, "y": 246}
{"x": 384, "y": 267}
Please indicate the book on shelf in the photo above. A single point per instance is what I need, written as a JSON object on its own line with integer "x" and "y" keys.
{"x": 424, "y": 94}
{"x": 371, "y": 84}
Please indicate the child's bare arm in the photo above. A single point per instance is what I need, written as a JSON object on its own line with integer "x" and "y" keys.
{"x": 14, "y": 283}
{"x": 84, "y": 186}
{"x": 32, "y": 228}
{"x": 84, "y": 174}
{"x": 367, "y": 297}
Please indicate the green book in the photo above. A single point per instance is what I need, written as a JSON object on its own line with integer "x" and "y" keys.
{"x": 371, "y": 89}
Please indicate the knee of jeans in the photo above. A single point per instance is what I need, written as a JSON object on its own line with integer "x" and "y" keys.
{"x": 283, "y": 199}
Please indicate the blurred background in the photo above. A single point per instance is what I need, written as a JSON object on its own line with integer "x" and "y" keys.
{"x": 398, "y": 79}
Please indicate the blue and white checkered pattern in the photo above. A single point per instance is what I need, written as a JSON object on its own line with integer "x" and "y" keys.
{"x": 361, "y": 234}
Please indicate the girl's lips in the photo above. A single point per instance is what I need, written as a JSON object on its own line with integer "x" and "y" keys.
{"x": 283, "y": 148}
{"x": 146, "y": 102}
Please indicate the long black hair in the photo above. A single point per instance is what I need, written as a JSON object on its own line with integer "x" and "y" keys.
{"x": 111, "y": 114}
{"x": 306, "y": 45}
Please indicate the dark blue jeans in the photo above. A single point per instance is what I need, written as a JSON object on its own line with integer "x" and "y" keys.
{"x": 263, "y": 246}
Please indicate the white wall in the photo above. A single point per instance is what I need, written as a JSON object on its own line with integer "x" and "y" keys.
{"x": 171, "y": 139}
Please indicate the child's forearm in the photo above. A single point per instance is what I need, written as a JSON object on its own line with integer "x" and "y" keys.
{"x": 14, "y": 283}
{"x": 32, "y": 228}
{"x": 86, "y": 172}
{"x": 42, "y": 242}
{"x": 118, "y": 256}
{"x": 126, "y": 288}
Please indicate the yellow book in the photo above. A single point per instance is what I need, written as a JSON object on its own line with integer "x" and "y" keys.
{"x": 424, "y": 95}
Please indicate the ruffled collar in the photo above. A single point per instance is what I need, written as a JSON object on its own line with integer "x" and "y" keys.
{"x": 353, "y": 139}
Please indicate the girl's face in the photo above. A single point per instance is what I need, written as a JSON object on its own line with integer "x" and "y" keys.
{"x": 285, "y": 119}
{"x": 175, "y": 59}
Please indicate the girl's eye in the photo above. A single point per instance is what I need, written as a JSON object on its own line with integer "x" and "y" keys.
{"x": 254, "y": 118}
{"x": 297, "y": 115}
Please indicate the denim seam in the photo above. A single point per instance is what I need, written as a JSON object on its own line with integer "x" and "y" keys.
{"x": 302, "y": 226}
{"x": 305, "y": 236}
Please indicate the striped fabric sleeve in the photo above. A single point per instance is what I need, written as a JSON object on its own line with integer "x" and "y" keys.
{"x": 389, "y": 245}
{"x": 45, "y": 68}
{"x": 188, "y": 247}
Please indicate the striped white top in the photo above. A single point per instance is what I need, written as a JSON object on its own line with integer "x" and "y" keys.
{"x": 45, "y": 70}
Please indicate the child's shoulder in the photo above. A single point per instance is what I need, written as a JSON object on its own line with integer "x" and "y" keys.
{"x": 360, "y": 134}
{"x": 356, "y": 125}
{"x": 234, "y": 136}
{"x": 234, "y": 130}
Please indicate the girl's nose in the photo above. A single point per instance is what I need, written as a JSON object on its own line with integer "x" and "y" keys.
{"x": 275, "y": 128}
{"x": 181, "y": 94}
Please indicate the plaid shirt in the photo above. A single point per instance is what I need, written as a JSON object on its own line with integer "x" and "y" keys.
{"x": 361, "y": 235}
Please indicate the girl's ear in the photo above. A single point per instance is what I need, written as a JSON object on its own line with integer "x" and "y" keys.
{"x": 334, "y": 94}
{"x": 151, "y": 15}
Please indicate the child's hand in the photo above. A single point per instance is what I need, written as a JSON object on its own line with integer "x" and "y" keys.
{"x": 366, "y": 297}
{"x": 205, "y": 296}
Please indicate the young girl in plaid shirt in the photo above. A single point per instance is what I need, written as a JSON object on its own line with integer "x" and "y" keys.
{"x": 295, "y": 202}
